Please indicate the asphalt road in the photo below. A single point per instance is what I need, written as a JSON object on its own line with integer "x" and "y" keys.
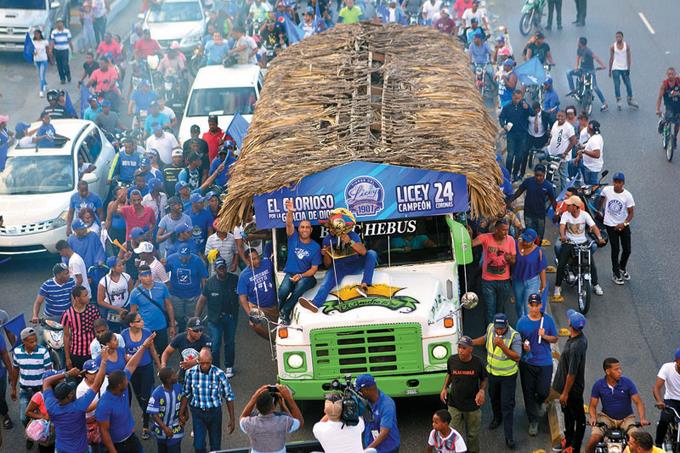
{"x": 634, "y": 322}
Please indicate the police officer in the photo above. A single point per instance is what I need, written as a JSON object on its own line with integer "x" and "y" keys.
{"x": 54, "y": 109}
{"x": 503, "y": 350}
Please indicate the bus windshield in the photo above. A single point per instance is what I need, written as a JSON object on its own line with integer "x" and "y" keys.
{"x": 397, "y": 242}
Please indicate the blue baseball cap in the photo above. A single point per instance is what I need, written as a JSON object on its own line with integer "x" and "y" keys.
{"x": 576, "y": 319}
{"x": 182, "y": 228}
{"x": 92, "y": 97}
{"x": 90, "y": 366}
{"x": 619, "y": 177}
{"x": 529, "y": 235}
{"x": 509, "y": 62}
{"x": 154, "y": 184}
{"x": 137, "y": 232}
{"x": 106, "y": 103}
{"x": 144, "y": 162}
{"x": 181, "y": 185}
{"x": 500, "y": 321}
{"x": 535, "y": 299}
{"x": 78, "y": 224}
{"x": 220, "y": 262}
{"x": 111, "y": 261}
{"x": 49, "y": 373}
{"x": 677, "y": 354}
{"x": 364, "y": 381}
{"x": 185, "y": 251}
{"x": 211, "y": 194}
{"x": 196, "y": 198}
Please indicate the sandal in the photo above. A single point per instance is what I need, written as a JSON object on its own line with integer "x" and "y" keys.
{"x": 146, "y": 435}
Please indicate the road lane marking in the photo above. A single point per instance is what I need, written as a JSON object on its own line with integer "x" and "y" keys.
{"x": 646, "y": 22}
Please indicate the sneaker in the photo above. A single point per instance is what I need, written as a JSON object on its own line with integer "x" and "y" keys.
{"x": 604, "y": 108}
{"x": 625, "y": 275}
{"x": 306, "y": 303}
{"x": 619, "y": 105}
{"x": 42, "y": 95}
{"x": 533, "y": 429}
{"x": 598, "y": 290}
{"x": 633, "y": 104}
{"x": 229, "y": 372}
{"x": 557, "y": 293}
{"x": 617, "y": 280}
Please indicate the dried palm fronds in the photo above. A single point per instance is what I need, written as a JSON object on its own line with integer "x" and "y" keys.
{"x": 364, "y": 92}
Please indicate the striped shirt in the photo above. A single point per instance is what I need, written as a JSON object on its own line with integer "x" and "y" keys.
{"x": 61, "y": 38}
{"x": 205, "y": 390}
{"x": 166, "y": 403}
{"x": 57, "y": 297}
{"x": 31, "y": 365}
{"x": 81, "y": 326}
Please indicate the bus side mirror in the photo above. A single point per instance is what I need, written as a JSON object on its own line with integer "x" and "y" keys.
{"x": 449, "y": 289}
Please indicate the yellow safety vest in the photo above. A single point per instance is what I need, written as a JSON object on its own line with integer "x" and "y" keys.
{"x": 497, "y": 363}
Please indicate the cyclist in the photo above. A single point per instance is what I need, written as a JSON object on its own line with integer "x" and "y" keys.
{"x": 668, "y": 376}
{"x": 585, "y": 64}
{"x": 670, "y": 93}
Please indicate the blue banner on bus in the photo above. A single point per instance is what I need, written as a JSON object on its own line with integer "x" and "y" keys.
{"x": 370, "y": 191}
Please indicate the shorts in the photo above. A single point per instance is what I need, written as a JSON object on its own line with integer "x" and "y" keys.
{"x": 624, "y": 424}
{"x": 671, "y": 116}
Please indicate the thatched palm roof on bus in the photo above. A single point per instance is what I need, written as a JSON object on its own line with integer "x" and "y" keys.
{"x": 364, "y": 92}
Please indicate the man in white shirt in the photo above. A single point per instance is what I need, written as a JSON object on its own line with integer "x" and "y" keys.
{"x": 431, "y": 10}
{"x": 590, "y": 159}
{"x": 76, "y": 265}
{"x": 158, "y": 272}
{"x": 163, "y": 142}
{"x": 573, "y": 225}
{"x": 245, "y": 47}
{"x": 562, "y": 140}
{"x": 619, "y": 209}
{"x": 668, "y": 376}
{"x": 476, "y": 13}
{"x": 334, "y": 435}
{"x": 223, "y": 242}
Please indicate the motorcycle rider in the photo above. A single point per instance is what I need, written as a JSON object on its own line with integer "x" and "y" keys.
{"x": 585, "y": 64}
{"x": 480, "y": 53}
{"x": 105, "y": 82}
{"x": 125, "y": 163}
{"x": 539, "y": 48}
{"x": 475, "y": 13}
{"x": 670, "y": 93}
{"x": 53, "y": 109}
{"x": 573, "y": 226}
{"x": 146, "y": 46}
{"x": 444, "y": 23}
{"x": 668, "y": 376}
{"x": 141, "y": 100}
{"x": 173, "y": 62}
{"x": 616, "y": 392}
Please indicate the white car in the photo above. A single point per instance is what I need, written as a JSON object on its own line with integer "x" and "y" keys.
{"x": 37, "y": 183}
{"x": 223, "y": 92}
{"x": 176, "y": 20}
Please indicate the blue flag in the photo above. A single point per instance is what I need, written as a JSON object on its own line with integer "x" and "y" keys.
{"x": 237, "y": 129}
{"x": 318, "y": 20}
{"x": 84, "y": 96}
{"x": 70, "y": 110}
{"x": 531, "y": 72}
{"x": 15, "y": 326}
{"x": 29, "y": 48}
{"x": 293, "y": 31}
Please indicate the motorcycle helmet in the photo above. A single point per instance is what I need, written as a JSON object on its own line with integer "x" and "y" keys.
{"x": 52, "y": 95}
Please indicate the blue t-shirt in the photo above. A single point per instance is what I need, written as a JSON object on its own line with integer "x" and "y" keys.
{"x": 176, "y": 245}
{"x": 161, "y": 119}
{"x": 301, "y": 256}
{"x": 151, "y": 313}
{"x": 480, "y": 54}
{"x": 258, "y": 285}
{"x": 339, "y": 248}
{"x": 215, "y": 53}
{"x": 166, "y": 403}
{"x": 223, "y": 177}
{"x": 57, "y": 297}
{"x": 143, "y": 99}
{"x": 384, "y": 416}
{"x": 537, "y": 195}
{"x": 91, "y": 201}
{"x": 69, "y": 421}
{"x": 539, "y": 354}
{"x": 201, "y": 221}
{"x": 115, "y": 409}
{"x": 616, "y": 402}
{"x": 186, "y": 277}
{"x": 131, "y": 347}
{"x": 50, "y": 132}
{"x": 118, "y": 365}
{"x": 126, "y": 165}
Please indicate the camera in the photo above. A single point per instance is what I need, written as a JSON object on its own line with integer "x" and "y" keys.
{"x": 350, "y": 400}
{"x": 272, "y": 389}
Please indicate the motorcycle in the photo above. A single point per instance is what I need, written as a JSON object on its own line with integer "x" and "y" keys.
{"x": 532, "y": 13}
{"x": 584, "y": 91}
{"x": 615, "y": 440}
{"x": 175, "y": 91}
{"x": 139, "y": 119}
{"x": 482, "y": 81}
{"x": 53, "y": 339}
{"x": 577, "y": 274}
{"x": 552, "y": 165}
{"x": 671, "y": 442}
{"x": 196, "y": 61}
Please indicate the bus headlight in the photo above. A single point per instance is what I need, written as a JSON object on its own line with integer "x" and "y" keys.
{"x": 295, "y": 361}
{"x": 439, "y": 351}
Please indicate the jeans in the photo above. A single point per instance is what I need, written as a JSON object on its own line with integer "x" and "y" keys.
{"x": 523, "y": 289}
{"x": 335, "y": 274}
{"x": 129, "y": 445}
{"x": 554, "y": 6}
{"x": 502, "y": 394}
{"x": 42, "y": 70}
{"x": 25, "y": 395}
{"x": 184, "y": 309}
{"x": 142, "y": 384}
{"x": 62, "y": 64}
{"x": 574, "y": 421}
{"x": 495, "y": 293}
{"x": 207, "y": 423}
{"x": 581, "y": 8}
{"x": 665, "y": 419}
{"x": 224, "y": 328}
{"x": 290, "y": 292}
{"x": 163, "y": 446}
{"x": 469, "y": 425}
{"x": 535, "y": 387}
{"x": 563, "y": 176}
{"x": 617, "y": 75}
{"x": 615, "y": 238}
{"x": 563, "y": 252}
{"x": 577, "y": 73}
{"x": 99, "y": 26}
{"x": 516, "y": 149}
{"x": 537, "y": 223}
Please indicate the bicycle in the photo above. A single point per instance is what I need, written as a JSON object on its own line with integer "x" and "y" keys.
{"x": 671, "y": 442}
{"x": 668, "y": 136}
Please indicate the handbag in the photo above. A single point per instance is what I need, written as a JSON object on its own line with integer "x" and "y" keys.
{"x": 157, "y": 305}
{"x": 38, "y": 430}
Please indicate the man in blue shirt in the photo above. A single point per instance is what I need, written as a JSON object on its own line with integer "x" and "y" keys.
{"x": 113, "y": 414}
{"x": 514, "y": 118}
{"x": 256, "y": 292}
{"x": 93, "y": 108}
{"x": 480, "y": 54}
{"x": 616, "y": 392}
{"x": 141, "y": 98}
{"x": 535, "y": 366}
{"x": 539, "y": 193}
{"x": 46, "y": 133}
{"x": 155, "y": 116}
{"x": 551, "y": 101}
{"x": 87, "y": 244}
{"x": 304, "y": 259}
{"x": 225, "y": 154}
{"x": 67, "y": 413}
{"x": 201, "y": 219}
{"x": 81, "y": 200}
{"x": 55, "y": 293}
{"x": 381, "y": 432}
{"x": 125, "y": 163}
{"x": 152, "y": 301}
{"x": 187, "y": 278}
{"x": 343, "y": 255}
{"x": 216, "y": 50}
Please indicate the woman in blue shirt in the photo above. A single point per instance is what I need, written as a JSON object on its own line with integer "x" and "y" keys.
{"x": 528, "y": 276}
{"x": 117, "y": 358}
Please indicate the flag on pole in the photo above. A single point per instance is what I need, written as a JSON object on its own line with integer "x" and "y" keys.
{"x": 14, "y": 327}
{"x": 237, "y": 129}
{"x": 531, "y": 72}
{"x": 293, "y": 31}
{"x": 318, "y": 20}
{"x": 29, "y": 48}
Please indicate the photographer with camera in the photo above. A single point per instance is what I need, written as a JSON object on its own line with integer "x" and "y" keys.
{"x": 267, "y": 429}
{"x": 381, "y": 432}
{"x": 335, "y": 432}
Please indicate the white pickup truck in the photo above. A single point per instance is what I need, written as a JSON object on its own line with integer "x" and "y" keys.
{"x": 18, "y": 17}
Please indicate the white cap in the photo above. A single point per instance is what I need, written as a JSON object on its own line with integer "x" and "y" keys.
{"x": 177, "y": 152}
{"x": 144, "y": 247}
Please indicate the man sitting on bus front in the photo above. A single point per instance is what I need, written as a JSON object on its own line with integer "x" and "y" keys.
{"x": 343, "y": 255}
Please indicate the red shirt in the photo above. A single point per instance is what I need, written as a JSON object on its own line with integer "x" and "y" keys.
{"x": 105, "y": 81}
{"x": 132, "y": 220}
{"x": 81, "y": 326}
{"x": 445, "y": 25}
{"x": 496, "y": 267}
{"x": 214, "y": 141}
{"x": 114, "y": 49}
{"x": 146, "y": 47}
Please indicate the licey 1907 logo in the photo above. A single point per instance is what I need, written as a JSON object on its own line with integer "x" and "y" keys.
{"x": 365, "y": 196}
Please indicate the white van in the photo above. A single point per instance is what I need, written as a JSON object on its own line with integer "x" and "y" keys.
{"x": 223, "y": 92}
